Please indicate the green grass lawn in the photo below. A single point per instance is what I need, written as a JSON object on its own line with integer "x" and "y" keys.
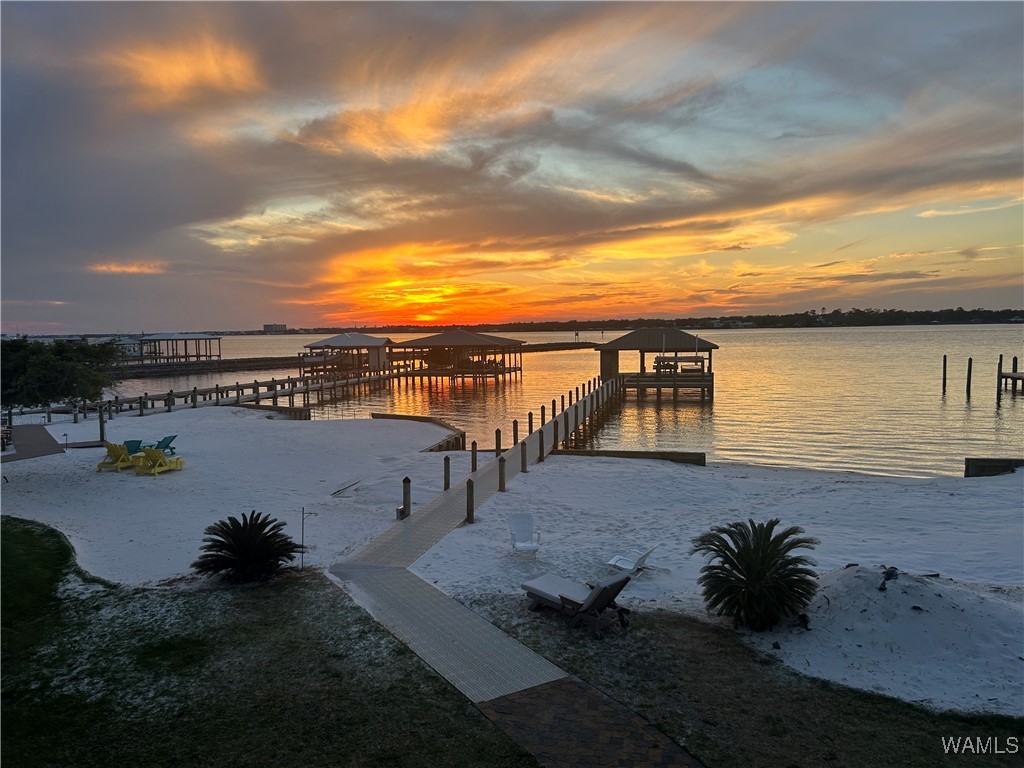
{"x": 293, "y": 673}
{"x": 288, "y": 673}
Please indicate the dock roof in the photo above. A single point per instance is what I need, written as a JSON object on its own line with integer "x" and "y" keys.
{"x": 351, "y": 341}
{"x": 659, "y": 340}
{"x": 177, "y": 336}
{"x": 457, "y": 337}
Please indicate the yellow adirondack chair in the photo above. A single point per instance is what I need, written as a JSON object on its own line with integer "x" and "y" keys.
{"x": 117, "y": 458}
{"x": 154, "y": 462}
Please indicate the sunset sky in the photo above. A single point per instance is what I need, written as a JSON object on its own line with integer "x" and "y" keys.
{"x": 193, "y": 166}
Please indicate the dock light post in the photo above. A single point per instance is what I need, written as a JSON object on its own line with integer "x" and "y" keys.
{"x": 302, "y": 537}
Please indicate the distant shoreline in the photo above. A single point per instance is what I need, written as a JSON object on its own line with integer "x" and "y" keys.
{"x": 852, "y": 319}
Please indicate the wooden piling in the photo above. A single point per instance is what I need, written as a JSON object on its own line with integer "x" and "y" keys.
{"x": 970, "y": 364}
{"x": 447, "y": 472}
{"x": 501, "y": 474}
{"x": 469, "y": 501}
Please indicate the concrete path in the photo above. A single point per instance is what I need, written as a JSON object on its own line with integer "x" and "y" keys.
{"x": 561, "y": 720}
{"x": 30, "y": 441}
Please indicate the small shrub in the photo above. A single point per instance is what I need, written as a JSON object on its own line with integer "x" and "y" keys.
{"x": 756, "y": 580}
{"x": 253, "y": 549}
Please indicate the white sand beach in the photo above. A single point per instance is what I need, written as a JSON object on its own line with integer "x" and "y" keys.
{"x": 951, "y": 641}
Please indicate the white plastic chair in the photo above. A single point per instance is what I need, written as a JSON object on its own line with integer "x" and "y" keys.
{"x": 633, "y": 561}
{"x": 524, "y": 538}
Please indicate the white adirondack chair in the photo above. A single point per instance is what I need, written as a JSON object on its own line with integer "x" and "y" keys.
{"x": 525, "y": 539}
{"x": 632, "y": 561}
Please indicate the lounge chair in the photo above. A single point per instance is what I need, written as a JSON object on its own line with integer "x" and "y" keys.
{"x": 117, "y": 458}
{"x": 154, "y": 462}
{"x": 164, "y": 445}
{"x": 633, "y": 562}
{"x": 524, "y": 538}
{"x": 133, "y": 446}
{"x": 581, "y": 603}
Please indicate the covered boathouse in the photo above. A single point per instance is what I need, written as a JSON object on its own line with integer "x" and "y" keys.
{"x": 346, "y": 355}
{"x": 459, "y": 354}
{"x": 177, "y": 348}
{"x": 681, "y": 362}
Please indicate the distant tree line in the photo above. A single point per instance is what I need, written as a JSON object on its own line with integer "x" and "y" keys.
{"x": 812, "y": 318}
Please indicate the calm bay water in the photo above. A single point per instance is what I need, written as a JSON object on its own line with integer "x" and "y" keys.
{"x": 845, "y": 399}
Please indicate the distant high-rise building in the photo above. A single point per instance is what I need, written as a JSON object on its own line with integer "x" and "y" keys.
{"x": 275, "y": 328}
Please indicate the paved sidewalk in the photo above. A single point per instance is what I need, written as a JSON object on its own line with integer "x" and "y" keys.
{"x": 563, "y": 722}
{"x": 30, "y": 441}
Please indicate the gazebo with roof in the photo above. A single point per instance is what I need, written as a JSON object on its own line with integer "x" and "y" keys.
{"x": 346, "y": 353}
{"x": 679, "y": 361}
{"x": 458, "y": 353}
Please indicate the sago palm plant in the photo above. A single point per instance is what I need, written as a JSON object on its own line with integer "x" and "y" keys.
{"x": 754, "y": 577}
{"x": 253, "y": 549}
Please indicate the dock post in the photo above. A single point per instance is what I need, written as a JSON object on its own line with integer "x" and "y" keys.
{"x": 522, "y": 457}
{"x": 529, "y": 421}
{"x": 943, "y": 375}
{"x": 999, "y": 380}
{"x": 273, "y": 391}
{"x": 406, "y": 509}
{"x": 170, "y": 400}
{"x": 515, "y": 431}
{"x": 256, "y": 390}
{"x": 142, "y": 408}
{"x": 540, "y": 436}
{"x": 49, "y": 416}
{"x": 447, "y": 472}
{"x": 238, "y": 393}
{"x": 565, "y": 430}
{"x": 497, "y": 442}
{"x": 563, "y": 402}
{"x": 472, "y": 460}
{"x": 469, "y": 501}
{"x": 1013, "y": 383}
{"x": 970, "y": 364}
{"x": 554, "y": 437}
{"x": 501, "y": 474}
{"x": 553, "y": 411}
{"x": 74, "y": 414}
{"x": 543, "y": 421}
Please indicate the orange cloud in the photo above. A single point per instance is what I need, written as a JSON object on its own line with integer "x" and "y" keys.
{"x": 165, "y": 75}
{"x": 131, "y": 268}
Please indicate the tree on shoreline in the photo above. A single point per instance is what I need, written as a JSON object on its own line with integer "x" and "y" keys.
{"x": 35, "y": 373}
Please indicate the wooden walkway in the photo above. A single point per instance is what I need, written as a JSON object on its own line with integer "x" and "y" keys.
{"x": 561, "y": 720}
